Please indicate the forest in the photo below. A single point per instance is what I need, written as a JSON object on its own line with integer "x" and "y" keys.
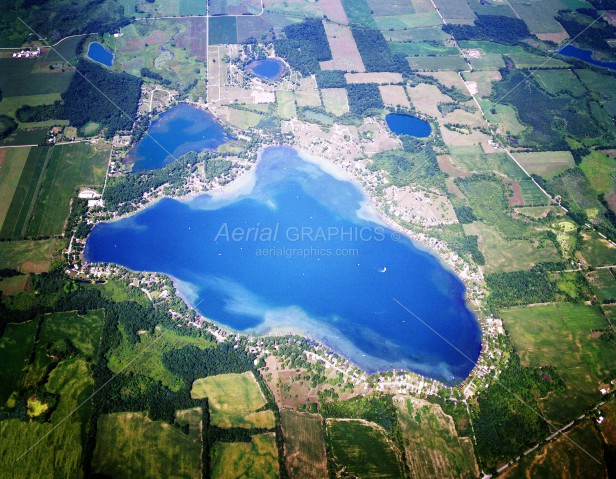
{"x": 7, "y": 126}
{"x": 364, "y": 97}
{"x": 97, "y": 95}
{"x": 331, "y": 79}
{"x": 494, "y": 28}
{"x": 304, "y": 46}
{"x": 29, "y": 114}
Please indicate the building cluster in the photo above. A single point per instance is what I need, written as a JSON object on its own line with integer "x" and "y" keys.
{"x": 27, "y": 53}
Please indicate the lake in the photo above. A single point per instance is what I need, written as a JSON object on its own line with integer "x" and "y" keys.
{"x": 585, "y": 55}
{"x": 402, "y": 124}
{"x": 268, "y": 69}
{"x": 100, "y": 54}
{"x": 292, "y": 247}
{"x": 179, "y": 130}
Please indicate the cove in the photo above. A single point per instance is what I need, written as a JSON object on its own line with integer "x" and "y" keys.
{"x": 178, "y": 130}
{"x": 586, "y": 56}
{"x": 269, "y": 69}
{"x": 100, "y": 54}
{"x": 295, "y": 248}
{"x": 402, "y": 124}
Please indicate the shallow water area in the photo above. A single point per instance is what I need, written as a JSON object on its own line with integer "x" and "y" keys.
{"x": 294, "y": 251}
{"x": 175, "y": 132}
{"x": 402, "y": 124}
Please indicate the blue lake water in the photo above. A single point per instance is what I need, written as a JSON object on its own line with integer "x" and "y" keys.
{"x": 100, "y": 54}
{"x": 179, "y": 130}
{"x": 585, "y": 55}
{"x": 269, "y": 69}
{"x": 402, "y": 124}
{"x": 297, "y": 249}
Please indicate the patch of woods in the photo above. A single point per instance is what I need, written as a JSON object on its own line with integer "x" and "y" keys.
{"x": 588, "y": 27}
{"x": 56, "y": 19}
{"x": 494, "y": 28}
{"x": 7, "y": 126}
{"x": 304, "y": 46}
{"x": 94, "y": 95}
{"x": 375, "y": 53}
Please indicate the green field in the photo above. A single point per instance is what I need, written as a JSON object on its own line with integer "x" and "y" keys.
{"x": 530, "y": 60}
{"x": 555, "y": 81}
{"x": 24, "y": 199}
{"x": 600, "y": 171}
{"x": 285, "y": 101}
{"x": 578, "y": 453}
{"x": 65, "y": 49}
{"x": 506, "y": 255}
{"x": 473, "y": 160}
{"x": 132, "y": 445}
{"x": 505, "y": 116}
{"x": 358, "y": 12}
{"x": 223, "y": 30}
{"x": 603, "y": 283}
{"x": 596, "y": 250}
{"x": 362, "y": 449}
{"x": 15, "y": 347}
{"x": 28, "y": 256}
{"x": 546, "y": 163}
{"x": 257, "y": 459}
{"x": 70, "y": 166}
{"x": 419, "y": 49}
{"x": 51, "y": 449}
{"x": 304, "y": 438}
{"x": 433, "y": 448}
{"x": 234, "y": 400}
{"x": 434, "y": 64}
{"x": 561, "y": 335}
{"x": 489, "y": 62}
{"x": 20, "y": 78}
{"x": 151, "y": 348}
{"x": 12, "y": 164}
{"x": 83, "y": 332}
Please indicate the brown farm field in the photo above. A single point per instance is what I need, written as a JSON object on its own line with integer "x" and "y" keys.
{"x": 394, "y": 95}
{"x": 345, "y": 55}
{"x": 304, "y": 444}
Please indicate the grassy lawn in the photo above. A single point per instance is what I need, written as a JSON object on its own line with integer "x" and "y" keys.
{"x": 257, "y": 459}
{"x": 563, "y": 335}
{"x": 361, "y": 449}
{"x": 233, "y": 400}
{"x": 132, "y": 445}
{"x": 70, "y": 166}
{"x": 15, "y": 347}
{"x": 432, "y": 445}
{"x": 304, "y": 444}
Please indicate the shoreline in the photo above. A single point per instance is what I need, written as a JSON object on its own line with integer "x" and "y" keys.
{"x": 244, "y": 183}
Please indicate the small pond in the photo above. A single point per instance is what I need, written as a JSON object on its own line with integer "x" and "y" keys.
{"x": 100, "y": 54}
{"x": 402, "y": 124}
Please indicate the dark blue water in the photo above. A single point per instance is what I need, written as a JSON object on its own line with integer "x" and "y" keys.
{"x": 177, "y": 131}
{"x": 292, "y": 253}
{"x": 408, "y": 125}
{"x": 584, "y": 55}
{"x": 100, "y": 54}
{"x": 270, "y": 68}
